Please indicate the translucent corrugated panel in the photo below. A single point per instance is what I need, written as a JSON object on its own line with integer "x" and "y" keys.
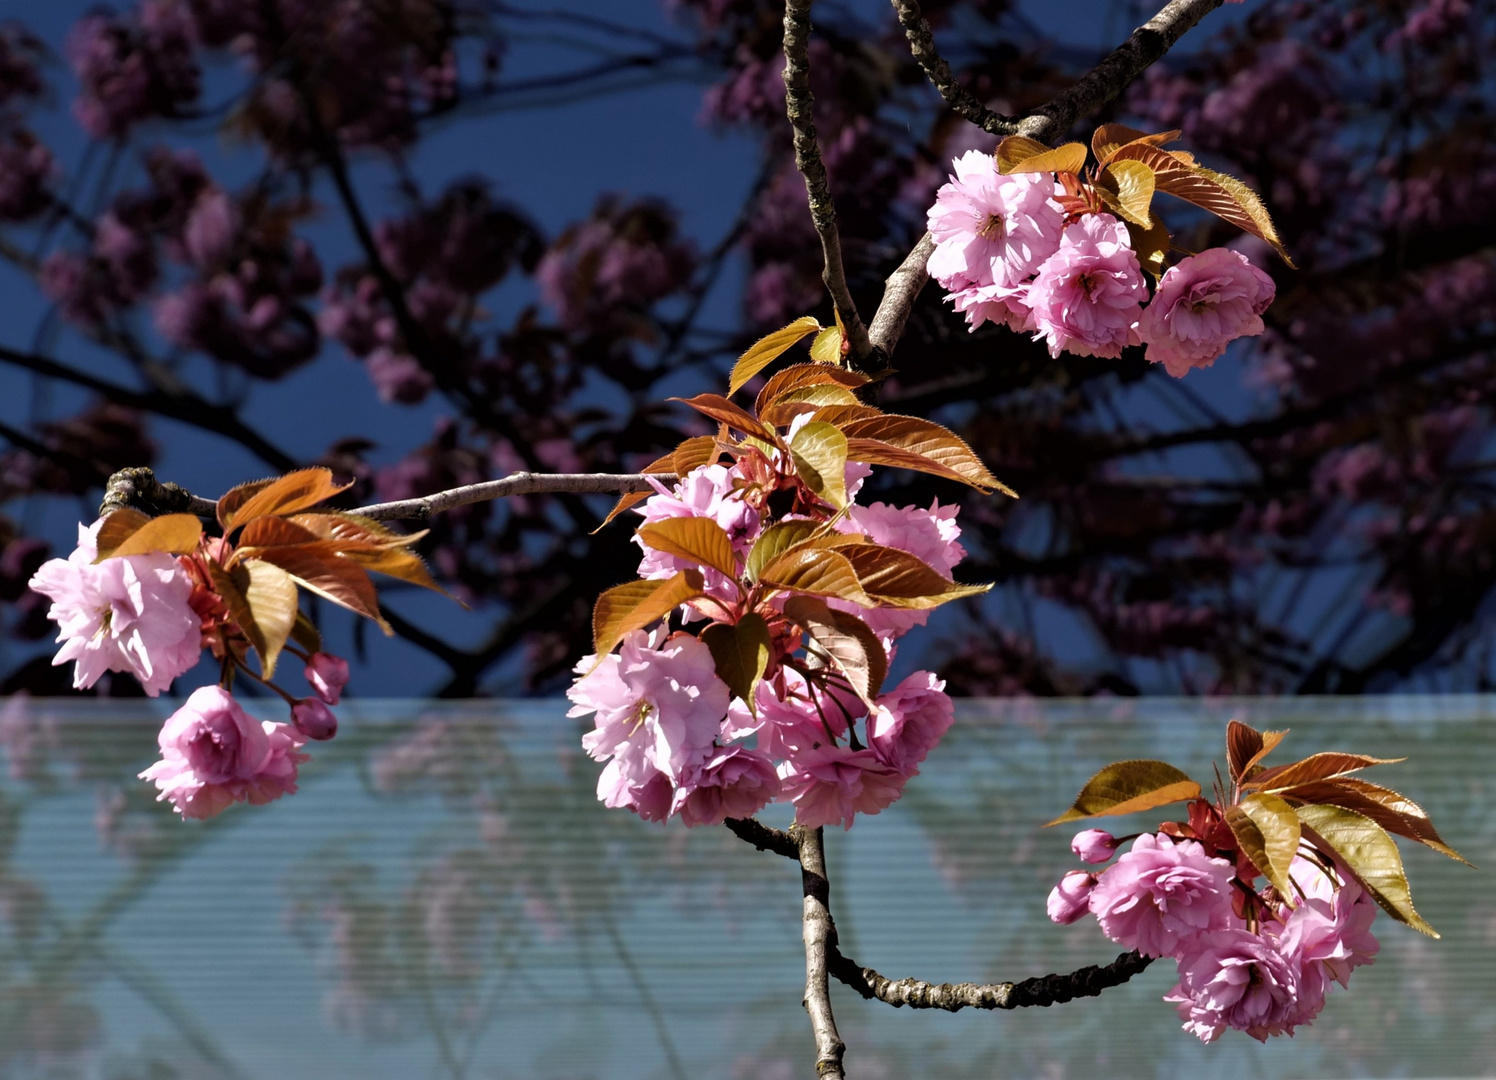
{"x": 445, "y": 898}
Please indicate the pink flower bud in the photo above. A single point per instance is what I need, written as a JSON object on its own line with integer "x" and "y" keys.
{"x": 328, "y": 674}
{"x": 314, "y": 719}
{"x": 1071, "y": 898}
{"x": 1093, "y": 845}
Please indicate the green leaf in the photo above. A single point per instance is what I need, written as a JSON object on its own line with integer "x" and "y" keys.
{"x": 817, "y": 571}
{"x": 1370, "y": 854}
{"x": 635, "y": 604}
{"x": 699, "y": 539}
{"x": 846, "y": 639}
{"x": 827, "y": 347}
{"x": 175, "y": 534}
{"x": 1267, "y": 829}
{"x": 741, "y": 653}
{"x": 774, "y": 541}
{"x": 1130, "y": 185}
{"x": 819, "y": 451}
{"x": 767, "y": 349}
{"x": 1125, "y": 787}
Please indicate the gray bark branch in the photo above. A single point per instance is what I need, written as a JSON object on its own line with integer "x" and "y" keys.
{"x": 819, "y": 935}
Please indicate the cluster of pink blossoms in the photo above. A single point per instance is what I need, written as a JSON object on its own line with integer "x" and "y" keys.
{"x": 1006, "y": 253}
{"x": 677, "y": 743}
{"x": 1264, "y": 975}
{"x": 151, "y": 616}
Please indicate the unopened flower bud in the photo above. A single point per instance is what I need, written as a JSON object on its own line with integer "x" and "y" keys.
{"x": 328, "y": 674}
{"x": 1093, "y": 845}
{"x": 314, "y": 719}
{"x": 1071, "y": 898}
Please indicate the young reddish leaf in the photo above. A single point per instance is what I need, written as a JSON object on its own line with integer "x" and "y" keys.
{"x": 1370, "y": 854}
{"x": 818, "y": 571}
{"x": 774, "y": 541}
{"x": 693, "y": 453}
{"x": 356, "y": 531}
{"x": 1151, "y": 246}
{"x": 846, "y": 639}
{"x": 842, "y": 415}
{"x": 1069, "y": 158}
{"x": 295, "y": 491}
{"x": 275, "y": 531}
{"x": 895, "y": 578}
{"x": 767, "y": 349}
{"x": 741, "y": 653}
{"x": 175, "y": 534}
{"x": 118, "y": 526}
{"x": 305, "y": 633}
{"x": 400, "y": 564}
{"x": 1016, "y": 149}
{"x": 798, "y": 376}
{"x": 262, "y": 600}
{"x": 1130, "y": 187}
{"x": 635, "y": 604}
{"x": 874, "y": 452}
{"x": 1394, "y": 812}
{"x": 719, "y": 408}
{"x": 1125, "y": 787}
{"x": 1327, "y": 766}
{"x": 827, "y": 347}
{"x": 1109, "y": 138}
{"x": 1267, "y": 829}
{"x": 819, "y": 451}
{"x": 807, "y": 399}
{"x": 231, "y": 500}
{"x": 321, "y": 568}
{"x": 701, "y": 540}
{"x": 930, "y": 440}
{"x": 1246, "y": 746}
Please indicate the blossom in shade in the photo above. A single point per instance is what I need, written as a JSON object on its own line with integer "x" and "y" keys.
{"x": 314, "y": 719}
{"x": 213, "y": 754}
{"x": 1093, "y": 845}
{"x": 129, "y": 613}
{"x": 1237, "y": 979}
{"x": 1071, "y": 898}
{"x": 989, "y": 228}
{"x": 1161, "y": 894}
{"x": 830, "y": 785}
{"x": 735, "y": 782}
{"x": 328, "y": 674}
{"x": 908, "y": 722}
{"x": 1087, "y": 296}
{"x": 1201, "y": 305}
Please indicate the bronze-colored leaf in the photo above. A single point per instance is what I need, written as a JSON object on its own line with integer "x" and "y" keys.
{"x": 774, "y": 541}
{"x": 741, "y": 653}
{"x": 827, "y": 346}
{"x": 719, "y": 408}
{"x": 400, "y": 564}
{"x": 1109, "y": 138}
{"x": 230, "y": 501}
{"x": 350, "y": 529}
{"x": 895, "y": 578}
{"x": 692, "y": 454}
{"x": 1370, "y": 854}
{"x": 631, "y": 499}
{"x": 174, "y": 534}
{"x": 819, "y": 451}
{"x": 1130, "y": 185}
{"x": 635, "y": 604}
{"x": 875, "y": 452}
{"x": 930, "y": 440}
{"x": 1246, "y": 746}
{"x": 698, "y": 539}
{"x": 1124, "y": 787}
{"x": 1267, "y": 829}
{"x": 295, "y": 491}
{"x": 117, "y": 528}
{"x": 274, "y": 531}
{"x": 842, "y": 415}
{"x": 797, "y": 376}
{"x": 767, "y": 349}
{"x": 1394, "y": 812}
{"x": 1327, "y": 766}
{"x": 262, "y": 600}
{"x": 1016, "y": 149}
{"x": 1069, "y": 158}
{"x": 817, "y": 571}
{"x": 846, "y": 639}
{"x": 323, "y": 569}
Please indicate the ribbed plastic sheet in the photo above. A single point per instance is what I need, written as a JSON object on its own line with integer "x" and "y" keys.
{"x": 445, "y": 898}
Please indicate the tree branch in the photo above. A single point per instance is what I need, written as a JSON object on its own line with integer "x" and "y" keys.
{"x": 962, "y": 101}
{"x": 1043, "y": 991}
{"x": 520, "y": 483}
{"x": 799, "y": 106}
{"x": 899, "y": 293}
{"x": 819, "y": 935}
{"x": 752, "y": 831}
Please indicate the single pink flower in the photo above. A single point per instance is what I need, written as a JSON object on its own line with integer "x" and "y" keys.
{"x": 327, "y": 674}
{"x": 129, "y": 613}
{"x": 1087, "y": 297}
{"x": 1203, "y": 304}
{"x": 989, "y": 228}
{"x": 832, "y": 784}
{"x": 734, "y": 783}
{"x": 314, "y": 719}
{"x": 213, "y": 754}
{"x": 1161, "y": 894}
{"x": 1071, "y": 898}
{"x": 1236, "y": 979}
{"x": 1006, "y": 305}
{"x": 909, "y": 721}
{"x": 1093, "y": 845}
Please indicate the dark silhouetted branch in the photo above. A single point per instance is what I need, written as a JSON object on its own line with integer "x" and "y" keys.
{"x": 1043, "y": 991}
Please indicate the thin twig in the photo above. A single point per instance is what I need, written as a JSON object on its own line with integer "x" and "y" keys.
{"x": 1043, "y": 991}
{"x": 520, "y": 483}
{"x": 962, "y": 101}
{"x": 819, "y": 935}
{"x": 799, "y": 106}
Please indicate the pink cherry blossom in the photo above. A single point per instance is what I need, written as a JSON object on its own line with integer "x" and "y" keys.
{"x": 989, "y": 228}
{"x": 1236, "y": 979}
{"x": 1161, "y": 894}
{"x": 1202, "y": 304}
{"x": 1086, "y": 298}
{"x": 328, "y": 674}
{"x": 734, "y": 783}
{"x": 129, "y": 613}
{"x": 929, "y": 535}
{"x": 643, "y": 789}
{"x": 791, "y": 724}
{"x": 1006, "y": 305}
{"x": 703, "y": 492}
{"x": 832, "y": 784}
{"x": 1329, "y": 932}
{"x": 213, "y": 754}
{"x": 909, "y": 721}
{"x": 1093, "y": 845}
{"x": 1071, "y": 898}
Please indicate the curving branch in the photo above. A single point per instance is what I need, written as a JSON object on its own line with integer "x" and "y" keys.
{"x": 961, "y": 100}
{"x": 1043, "y": 991}
{"x": 752, "y": 831}
{"x": 818, "y": 933}
{"x": 799, "y": 106}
